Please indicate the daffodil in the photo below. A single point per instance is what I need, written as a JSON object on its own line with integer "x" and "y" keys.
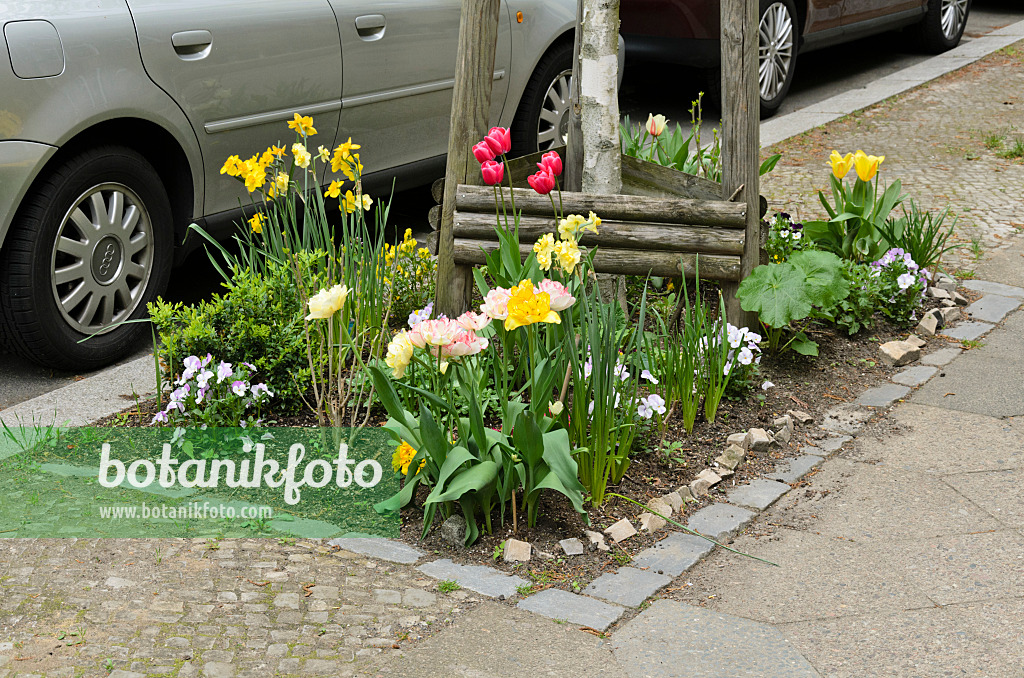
{"x": 543, "y": 248}
{"x": 256, "y": 223}
{"x": 342, "y": 153}
{"x": 279, "y": 185}
{"x": 527, "y": 306}
{"x": 302, "y": 156}
{"x": 323, "y": 153}
{"x": 233, "y": 166}
{"x": 334, "y": 190}
{"x": 867, "y": 165}
{"x": 278, "y": 151}
{"x": 570, "y": 226}
{"x": 568, "y": 253}
{"x": 352, "y": 168}
{"x": 303, "y": 125}
{"x": 402, "y": 458}
{"x": 349, "y": 202}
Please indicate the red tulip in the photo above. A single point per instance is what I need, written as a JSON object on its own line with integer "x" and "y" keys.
{"x": 499, "y": 139}
{"x": 551, "y": 162}
{"x": 493, "y": 172}
{"x": 483, "y": 152}
{"x": 542, "y": 182}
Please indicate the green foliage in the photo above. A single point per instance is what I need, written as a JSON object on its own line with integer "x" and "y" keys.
{"x": 922, "y": 234}
{"x": 856, "y": 311}
{"x": 786, "y": 293}
{"x": 257, "y": 319}
{"x": 855, "y": 216}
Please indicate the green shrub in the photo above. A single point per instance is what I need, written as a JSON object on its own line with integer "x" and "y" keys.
{"x": 922, "y": 234}
{"x": 856, "y": 311}
{"x": 257, "y": 320}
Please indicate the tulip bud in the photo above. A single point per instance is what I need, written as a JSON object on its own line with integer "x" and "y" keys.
{"x": 551, "y": 162}
{"x": 482, "y": 152}
{"x": 493, "y": 172}
{"x": 655, "y": 124}
{"x": 542, "y": 182}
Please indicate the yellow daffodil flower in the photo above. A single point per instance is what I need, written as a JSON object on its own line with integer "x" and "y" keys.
{"x": 278, "y": 150}
{"x": 527, "y": 306}
{"x": 302, "y": 156}
{"x": 342, "y": 153}
{"x": 568, "y": 253}
{"x": 256, "y": 223}
{"x": 352, "y": 168}
{"x": 840, "y": 164}
{"x": 334, "y": 190}
{"x": 349, "y": 202}
{"x": 403, "y": 456}
{"x": 543, "y": 248}
{"x": 867, "y": 165}
{"x": 323, "y": 153}
{"x": 303, "y": 125}
{"x": 233, "y": 166}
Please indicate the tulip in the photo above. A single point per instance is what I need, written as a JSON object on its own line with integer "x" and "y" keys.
{"x": 482, "y": 152}
{"x": 472, "y": 322}
{"x": 493, "y": 172}
{"x": 496, "y": 303}
{"x": 499, "y": 139}
{"x": 551, "y": 162}
{"x": 866, "y": 165}
{"x": 465, "y": 343}
{"x": 326, "y": 303}
{"x": 542, "y": 182}
{"x": 840, "y": 164}
{"x": 655, "y": 124}
{"x": 558, "y": 295}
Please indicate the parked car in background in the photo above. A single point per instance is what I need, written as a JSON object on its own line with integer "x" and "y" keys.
{"x": 117, "y": 115}
{"x": 686, "y": 32}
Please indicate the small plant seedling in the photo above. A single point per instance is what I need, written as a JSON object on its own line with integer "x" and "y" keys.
{"x": 1014, "y": 151}
{"x": 968, "y": 344}
{"x": 499, "y": 551}
{"x": 109, "y": 665}
{"x": 994, "y": 141}
{"x": 448, "y": 585}
{"x": 622, "y": 558}
{"x": 524, "y": 590}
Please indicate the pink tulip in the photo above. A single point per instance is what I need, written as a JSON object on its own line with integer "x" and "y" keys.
{"x": 471, "y": 322}
{"x": 499, "y": 139}
{"x": 496, "y": 303}
{"x": 436, "y": 332}
{"x": 493, "y": 172}
{"x": 559, "y": 296}
{"x": 466, "y": 343}
{"x": 482, "y": 152}
{"x": 551, "y": 162}
{"x": 542, "y": 182}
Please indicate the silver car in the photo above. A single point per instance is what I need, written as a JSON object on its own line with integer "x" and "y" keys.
{"x": 116, "y": 116}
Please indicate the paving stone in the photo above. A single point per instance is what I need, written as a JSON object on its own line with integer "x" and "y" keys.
{"x": 1000, "y": 289}
{"x": 832, "y": 444}
{"x": 572, "y": 547}
{"x": 992, "y": 308}
{"x": 757, "y": 494}
{"x": 959, "y": 299}
{"x": 916, "y": 341}
{"x": 384, "y": 549}
{"x": 898, "y": 353}
{"x": 621, "y": 530}
{"x": 719, "y": 521}
{"x": 675, "y": 639}
{"x": 939, "y": 293}
{"x": 915, "y": 376}
{"x": 629, "y": 586}
{"x": 484, "y": 580}
{"x": 418, "y": 598}
{"x": 650, "y": 522}
{"x": 674, "y": 555}
{"x": 577, "y": 609}
{"x": 121, "y": 673}
{"x": 941, "y": 357}
{"x": 792, "y": 470}
{"x": 800, "y": 416}
{"x": 517, "y": 551}
{"x": 218, "y": 670}
{"x": 968, "y": 331}
{"x": 847, "y": 418}
{"x": 883, "y": 396}
{"x": 322, "y": 667}
{"x": 929, "y": 324}
{"x": 949, "y": 315}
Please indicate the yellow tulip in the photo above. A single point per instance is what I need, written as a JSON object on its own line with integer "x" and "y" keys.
{"x": 840, "y": 164}
{"x": 867, "y": 165}
{"x": 526, "y": 306}
{"x": 655, "y": 124}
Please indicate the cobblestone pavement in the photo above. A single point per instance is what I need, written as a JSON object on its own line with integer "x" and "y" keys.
{"x": 249, "y": 607}
{"x": 216, "y": 608}
{"x": 934, "y": 140}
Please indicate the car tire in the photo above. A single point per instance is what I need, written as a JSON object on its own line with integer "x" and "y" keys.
{"x": 541, "y": 121}
{"x": 89, "y": 247}
{"x": 943, "y": 25}
{"x": 778, "y": 38}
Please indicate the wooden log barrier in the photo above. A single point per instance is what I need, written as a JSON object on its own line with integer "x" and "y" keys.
{"x": 623, "y": 261}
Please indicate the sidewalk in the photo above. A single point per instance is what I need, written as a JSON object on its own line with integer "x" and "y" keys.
{"x": 902, "y": 554}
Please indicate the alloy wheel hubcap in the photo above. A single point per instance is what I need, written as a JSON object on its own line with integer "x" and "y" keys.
{"x": 953, "y": 15}
{"x": 102, "y": 258}
{"x": 775, "y": 50}
{"x": 553, "y": 125}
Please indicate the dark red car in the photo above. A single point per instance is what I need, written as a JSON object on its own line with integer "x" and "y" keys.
{"x": 686, "y": 31}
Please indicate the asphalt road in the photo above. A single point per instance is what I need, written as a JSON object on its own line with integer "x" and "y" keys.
{"x": 647, "y": 88}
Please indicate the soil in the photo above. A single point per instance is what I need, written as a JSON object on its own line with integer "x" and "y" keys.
{"x": 844, "y": 368}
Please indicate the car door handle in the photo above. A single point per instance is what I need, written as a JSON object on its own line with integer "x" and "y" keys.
{"x": 192, "y": 45}
{"x": 371, "y": 26}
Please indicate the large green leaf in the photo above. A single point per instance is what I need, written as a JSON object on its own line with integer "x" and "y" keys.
{"x": 433, "y": 439}
{"x": 558, "y": 456}
{"x": 457, "y": 457}
{"x": 550, "y": 481}
{"x": 388, "y": 396}
{"x": 400, "y": 498}
{"x": 777, "y": 292}
{"x": 476, "y": 477}
{"x": 527, "y": 439}
{"x": 826, "y": 284}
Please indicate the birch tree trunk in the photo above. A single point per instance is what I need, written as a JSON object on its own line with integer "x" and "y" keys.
{"x": 599, "y": 101}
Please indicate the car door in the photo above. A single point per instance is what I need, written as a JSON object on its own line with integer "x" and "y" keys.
{"x": 399, "y": 70}
{"x": 239, "y": 69}
{"x": 858, "y": 11}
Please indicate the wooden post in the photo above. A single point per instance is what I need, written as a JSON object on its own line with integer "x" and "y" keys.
{"x": 574, "y": 145}
{"x": 471, "y": 107}
{"x": 741, "y": 140}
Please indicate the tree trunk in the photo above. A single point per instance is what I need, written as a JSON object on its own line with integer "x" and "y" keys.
{"x": 599, "y": 101}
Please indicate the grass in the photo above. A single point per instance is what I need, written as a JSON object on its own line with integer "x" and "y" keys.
{"x": 524, "y": 590}
{"x": 977, "y": 251}
{"x": 994, "y": 141}
{"x": 448, "y": 585}
{"x": 968, "y": 344}
{"x": 1014, "y": 151}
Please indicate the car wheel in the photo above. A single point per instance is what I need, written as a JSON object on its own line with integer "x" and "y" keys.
{"x": 90, "y": 246}
{"x": 778, "y": 34}
{"x": 542, "y": 119}
{"x": 943, "y": 24}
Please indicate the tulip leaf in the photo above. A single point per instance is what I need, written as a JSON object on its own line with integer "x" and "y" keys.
{"x": 476, "y": 477}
